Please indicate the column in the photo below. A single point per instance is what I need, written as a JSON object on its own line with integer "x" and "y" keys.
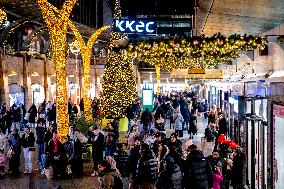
{"x": 26, "y": 84}
{"x": 4, "y": 90}
{"x": 45, "y": 80}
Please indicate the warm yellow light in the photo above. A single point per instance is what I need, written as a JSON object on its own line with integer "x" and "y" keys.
{"x": 3, "y": 16}
{"x": 57, "y": 28}
{"x": 12, "y": 73}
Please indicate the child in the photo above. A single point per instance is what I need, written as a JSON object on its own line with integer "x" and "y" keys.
{"x": 217, "y": 176}
{"x": 2, "y": 163}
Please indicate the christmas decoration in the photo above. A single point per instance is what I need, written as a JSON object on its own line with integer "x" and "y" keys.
{"x": 3, "y": 16}
{"x": 119, "y": 87}
{"x": 57, "y": 28}
{"x": 195, "y": 52}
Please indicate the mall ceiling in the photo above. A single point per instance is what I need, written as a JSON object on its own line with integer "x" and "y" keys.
{"x": 238, "y": 16}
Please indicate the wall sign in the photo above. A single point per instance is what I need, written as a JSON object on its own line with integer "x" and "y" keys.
{"x": 135, "y": 26}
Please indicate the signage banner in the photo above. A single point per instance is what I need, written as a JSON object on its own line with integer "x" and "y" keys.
{"x": 138, "y": 26}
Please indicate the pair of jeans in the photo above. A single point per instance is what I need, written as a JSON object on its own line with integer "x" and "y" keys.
{"x": 43, "y": 161}
{"x": 40, "y": 152}
{"x": 28, "y": 157}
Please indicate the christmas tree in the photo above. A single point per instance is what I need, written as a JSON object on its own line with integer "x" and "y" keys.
{"x": 119, "y": 86}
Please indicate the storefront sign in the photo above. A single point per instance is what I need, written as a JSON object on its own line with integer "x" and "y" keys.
{"x": 135, "y": 26}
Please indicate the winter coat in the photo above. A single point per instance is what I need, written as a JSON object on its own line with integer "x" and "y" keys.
{"x": 33, "y": 114}
{"x": 223, "y": 129}
{"x": 217, "y": 178}
{"x": 147, "y": 169}
{"x": 178, "y": 120}
{"x": 28, "y": 141}
{"x": 134, "y": 158}
{"x": 170, "y": 178}
{"x": 238, "y": 171}
{"x": 198, "y": 172}
{"x": 40, "y": 132}
{"x": 122, "y": 163}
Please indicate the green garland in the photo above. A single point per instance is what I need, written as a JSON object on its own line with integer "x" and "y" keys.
{"x": 195, "y": 52}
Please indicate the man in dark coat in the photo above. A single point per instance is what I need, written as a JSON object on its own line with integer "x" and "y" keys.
{"x": 147, "y": 168}
{"x": 198, "y": 172}
{"x": 223, "y": 128}
{"x": 146, "y": 119}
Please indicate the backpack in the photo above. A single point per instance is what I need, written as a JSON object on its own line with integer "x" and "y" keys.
{"x": 118, "y": 183}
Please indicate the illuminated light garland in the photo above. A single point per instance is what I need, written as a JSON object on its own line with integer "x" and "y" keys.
{"x": 158, "y": 76}
{"x": 13, "y": 30}
{"x": 196, "y": 52}
{"x": 57, "y": 28}
{"x": 3, "y": 16}
{"x": 86, "y": 51}
{"x": 119, "y": 86}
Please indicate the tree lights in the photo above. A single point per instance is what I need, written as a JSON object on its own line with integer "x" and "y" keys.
{"x": 57, "y": 28}
{"x": 86, "y": 51}
{"x": 119, "y": 86}
{"x": 3, "y": 16}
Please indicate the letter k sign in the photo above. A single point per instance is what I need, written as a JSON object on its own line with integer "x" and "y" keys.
{"x": 118, "y": 24}
{"x": 129, "y": 25}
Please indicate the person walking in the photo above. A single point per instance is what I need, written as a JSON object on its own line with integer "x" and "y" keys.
{"x": 197, "y": 171}
{"x": 14, "y": 161}
{"x": 238, "y": 169}
{"x": 178, "y": 121}
{"x": 28, "y": 143}
{"x": 40, "y": 134}
{"x": 33, "y": 115}
{"x": 147, "y": 168}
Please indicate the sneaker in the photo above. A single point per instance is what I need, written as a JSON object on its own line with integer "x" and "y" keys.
{"x": 94, "y": 174}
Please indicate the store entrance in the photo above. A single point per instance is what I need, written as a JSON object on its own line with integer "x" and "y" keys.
{"x": 16, "y": 94}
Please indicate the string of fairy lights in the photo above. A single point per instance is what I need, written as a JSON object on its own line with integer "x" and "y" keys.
{"x": 196, "y": 52}
{"x": 3, "y": 16}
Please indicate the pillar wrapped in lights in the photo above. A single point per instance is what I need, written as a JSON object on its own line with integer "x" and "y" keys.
{"x": 86, "y": 51}
{"x": 3, "y": 16}
{"x": 158, "y": 77}
{"x": 57, "y": 28}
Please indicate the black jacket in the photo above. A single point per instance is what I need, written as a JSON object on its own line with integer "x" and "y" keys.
{"x": 134, "y": 158}
{"x": 122, "y": 163}
{"x": 222, "y": 126}
{"x": 28, "y": 141}
{"x": 238, "y": 171}
{"x": 198, "y": 172}
{"x": 171, "y": 177}
{"x": 40, "y": 132}
{"x": 147, "y": 169}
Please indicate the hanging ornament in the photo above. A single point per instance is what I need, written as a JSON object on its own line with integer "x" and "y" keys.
{"x": 3, "y": 16}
